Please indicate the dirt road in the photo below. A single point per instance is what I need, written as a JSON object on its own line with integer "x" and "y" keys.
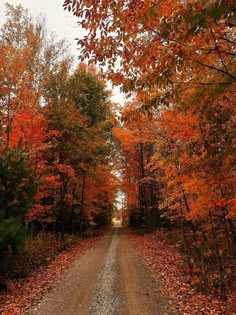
{"x": 110, "y": 279}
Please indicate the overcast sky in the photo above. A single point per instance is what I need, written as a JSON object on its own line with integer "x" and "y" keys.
{"x": 58, "y": 20}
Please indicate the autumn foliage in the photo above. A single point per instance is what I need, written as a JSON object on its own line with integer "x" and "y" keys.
{"x": 56, "y": 141}
{"x": 176, "y": 59}
{"x": 172, "y": 144}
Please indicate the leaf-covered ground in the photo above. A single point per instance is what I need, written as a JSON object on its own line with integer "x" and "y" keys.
{"x": 168, "y": 266}
{"x": 27, "y": 292}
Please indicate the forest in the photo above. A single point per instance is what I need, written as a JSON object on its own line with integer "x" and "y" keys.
{"x": 67, "y": 152}
{"x": 56, "y": 142}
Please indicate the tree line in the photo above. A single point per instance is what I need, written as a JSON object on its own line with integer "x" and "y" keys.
{"x": 55, "y": 137}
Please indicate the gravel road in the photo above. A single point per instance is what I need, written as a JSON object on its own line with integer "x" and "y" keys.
{"x": 110, "y": 279}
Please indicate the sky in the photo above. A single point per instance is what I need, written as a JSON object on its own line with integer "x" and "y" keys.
{"x": 57, "y": 20}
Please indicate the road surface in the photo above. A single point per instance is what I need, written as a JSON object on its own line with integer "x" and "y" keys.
{"x": 109, "y": 279}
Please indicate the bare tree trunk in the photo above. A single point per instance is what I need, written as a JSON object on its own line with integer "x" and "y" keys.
{"x": 82, "y": 201}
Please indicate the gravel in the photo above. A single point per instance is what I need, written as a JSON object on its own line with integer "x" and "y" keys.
{"x": 104, "y": 301}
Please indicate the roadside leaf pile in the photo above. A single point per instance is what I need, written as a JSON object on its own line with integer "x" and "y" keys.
{"x": 27, "y": 292}
{"x": 168, "y": 267}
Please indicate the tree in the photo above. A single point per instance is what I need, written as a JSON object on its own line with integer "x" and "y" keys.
{"x": 89, "y": 95}
{"x": 157, "y": 44}
{"x": 79, "y": 111}
{"x": 138, "y": 181}
{"x": 17, "y": 192}
{"x": 26, "y": 60}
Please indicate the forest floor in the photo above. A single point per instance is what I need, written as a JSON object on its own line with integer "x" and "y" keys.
{"x": 24, "y": 293}
{"x": 168, "y": 265}
{"x": 121, "y": 274}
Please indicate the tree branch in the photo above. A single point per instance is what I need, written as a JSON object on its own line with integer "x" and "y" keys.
{"x": 218, "y": 50}
{"x": 215, "y": 69}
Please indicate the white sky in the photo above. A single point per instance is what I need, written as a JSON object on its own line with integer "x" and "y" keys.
{"x": 59, "y": 21}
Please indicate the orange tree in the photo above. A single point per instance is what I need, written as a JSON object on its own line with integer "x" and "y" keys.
{"x": 79, "y": 111}
{"x": 148, "y": 43}
{"x": 24, "y": 63}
